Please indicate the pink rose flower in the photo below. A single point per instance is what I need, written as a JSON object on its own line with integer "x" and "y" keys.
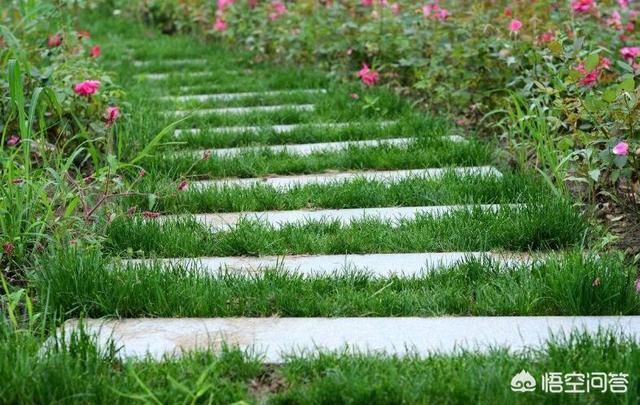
{"x": 278, "y": 7}
{"x": 604, "y": 63}
{"x": 223, "y": 3}
{"x": 369, "y": 77}
{"x": 588, "y": 78}
{"x": 546, "y": 37}
{"x": 621, "y": 149}
{"x": 615, "y": 20}
{"x": 623, "y": 3}
{"x": 582, "y": 6}
{"x": 515, "y": 25}
{"x": 630, "y": 52}
{"x": 442, "y": 14}
{"x": 111, "y": 115}
{"x": 96, "y": 51}
{"x": 367, "y": 3}
{"x": 13, "y": 140}
{"x": 220, "y": 25}
{"x": 87, "y": 88}
{"x": 395, "y": 8}
{"x": 55, "y": 40}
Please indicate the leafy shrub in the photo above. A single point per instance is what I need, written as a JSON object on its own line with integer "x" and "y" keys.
{"x": 55, "y": 137}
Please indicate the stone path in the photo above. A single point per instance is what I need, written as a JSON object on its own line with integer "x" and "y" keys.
{"x": 386, "y": 176}
{"x": 279, "y": 129}
{"x": 394, "y": 216}
{"x": 377, "y": 265}
{"x": 275, "y": 337}
{"x": 308, "y": 148}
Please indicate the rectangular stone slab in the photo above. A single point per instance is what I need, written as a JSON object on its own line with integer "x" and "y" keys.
{"x": 169, "y": 62}
{"x": 241, "y": 110}
{"x": 164, "y": 76}
{"x": 240, "y": 95}
{"x": 279, "y": 129}
{"x": 375, "y": 265}
{"x": 305, "y": 149}
{"x": 275, "y": 337}
{"x": 386, "y": 176}
{"x": 277, "y": 219}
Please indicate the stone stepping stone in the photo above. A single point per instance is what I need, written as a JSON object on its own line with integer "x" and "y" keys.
{"x": 279, "y": 129}
{"x": 387, "y": 176}
{"x": 277, "y": 219}
{"x": 242, "y": 110}
{"x": 169, "y": 62}
{"x": 274, "y": 338}
{"x": 375, "y": 265}
{"x": 240, "y": 95}
{"x": 164, "y": 76}
{"x": 305, "y": 149}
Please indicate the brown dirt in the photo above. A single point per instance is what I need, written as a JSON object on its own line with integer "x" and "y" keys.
{"x": 270, "y": 381}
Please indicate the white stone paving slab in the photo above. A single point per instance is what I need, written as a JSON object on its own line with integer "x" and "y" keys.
{"x": 302, "y": 149}
{"x": 305, "y": 149}
{"x": 241, "y": 110}
{"x": 164, "y": 76}
{"x": 169, "y": 62}
{"x": 276, "y": 337}
{"x": 375, "y": 265}
{"x": 386, "y": 176}
{"x": 239, "y": 95}
{"x": 279, "y": 129}
{"x": 277, "y": 219}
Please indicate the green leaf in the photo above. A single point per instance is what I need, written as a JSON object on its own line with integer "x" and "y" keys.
{"x": 628, "y": 84}
{"x": 555, "y": 47}
{"x": 592, "y": 62}
{"x": 71, "y": 207}
{"x": 620, "y": 161}
{"x": 574, "y": 75}
{"x": 594, "y": 104}
{"x": 610, "y": 95}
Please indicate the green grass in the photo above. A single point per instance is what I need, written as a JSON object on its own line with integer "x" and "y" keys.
{"x": 82, "y": 374}
{"x": 419, "y": 155}
{"x": 336, "y": 106}
{"x": 552, "y": 225}
{"x": 259, "y": 99}
{"x": 423, "y": 128}
{"x": 78, "y": 284}
{"x": 448, "y": 190}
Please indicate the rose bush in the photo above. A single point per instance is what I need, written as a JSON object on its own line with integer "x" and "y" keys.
{"x": 556, "y": 78}
{"x": 55, "y": 58}
{"x": 58, "y": 117}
